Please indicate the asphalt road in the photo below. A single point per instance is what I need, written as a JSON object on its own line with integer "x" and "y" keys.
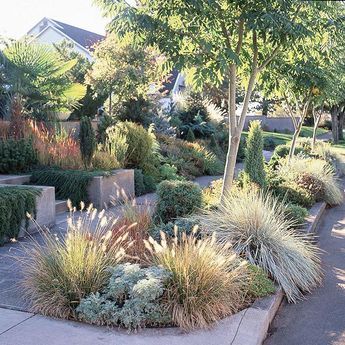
{"x": 320, "y": 318}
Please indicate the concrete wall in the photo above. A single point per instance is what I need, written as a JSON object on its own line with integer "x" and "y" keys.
{"x": 113, "y": 189}
{"x": 272, "y": 124}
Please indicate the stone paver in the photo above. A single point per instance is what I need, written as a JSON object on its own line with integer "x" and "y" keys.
{"x": 320, "y": 318}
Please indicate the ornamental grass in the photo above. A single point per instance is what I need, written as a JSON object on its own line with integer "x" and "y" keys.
{"x": 207, "y": 282}
{"x": 59, "y": 272}
{"x": 257, "y": 228}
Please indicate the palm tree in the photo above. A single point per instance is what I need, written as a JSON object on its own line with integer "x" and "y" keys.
{"x": 37, "y": 74}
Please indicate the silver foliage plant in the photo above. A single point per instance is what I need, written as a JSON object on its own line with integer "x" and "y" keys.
{"x": 131, "y": 298}
{"x": 255, "y": 225}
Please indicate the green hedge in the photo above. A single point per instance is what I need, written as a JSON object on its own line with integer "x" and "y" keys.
{"x": 17, "y": 155}
{"x": 69, "y": 184}
{"x": 15, "y": 202}
{"x": 177, "y": 199}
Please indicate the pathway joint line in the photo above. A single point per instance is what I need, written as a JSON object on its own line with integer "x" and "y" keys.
{"x": 238, "y": 327}
{"x": 31, "y": 316}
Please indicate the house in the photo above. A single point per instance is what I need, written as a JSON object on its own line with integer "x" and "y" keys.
{"x": 51, "y": 31}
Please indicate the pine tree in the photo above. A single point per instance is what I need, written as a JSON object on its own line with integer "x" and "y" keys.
{"x": 87, "y": 141}
{"x": 254, "y": 163}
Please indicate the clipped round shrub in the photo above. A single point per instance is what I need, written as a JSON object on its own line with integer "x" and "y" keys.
{"x": 177, "y": 199}
{"x": 269, "y": 144}
{"x": 282, "y": 151}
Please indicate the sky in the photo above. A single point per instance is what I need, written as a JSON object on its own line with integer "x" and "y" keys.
{"x": 19, "y": 16}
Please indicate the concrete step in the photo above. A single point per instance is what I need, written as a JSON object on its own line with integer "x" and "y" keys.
{"x": 61, "y": 206}
{"x": 14, "y": 179}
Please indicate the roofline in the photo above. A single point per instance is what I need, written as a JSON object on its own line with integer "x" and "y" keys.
{"x": 44, "y": 18}
{"x": 63, "y": 34}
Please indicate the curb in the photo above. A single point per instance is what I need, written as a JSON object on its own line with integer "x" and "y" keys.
{"x": 256, "y": 320}
{"x": 314, "y": 217}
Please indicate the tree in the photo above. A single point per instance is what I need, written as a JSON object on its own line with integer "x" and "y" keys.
{"x": 217, "y": 40}
{"x": 254, "y": 162}
{"x": 123, "y": 71}
{"x": 91, "y": 102}
{"x": 87, "y": 140}
{"x": 37, "y": 74}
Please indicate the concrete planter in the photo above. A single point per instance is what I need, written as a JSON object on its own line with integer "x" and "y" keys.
{"x": 113, "y": 189}
{"x": 45, "y": 206}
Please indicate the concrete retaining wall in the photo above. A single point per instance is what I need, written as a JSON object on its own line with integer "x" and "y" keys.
{"x": 113, "y": 189}
{"x": 272, "y": 124}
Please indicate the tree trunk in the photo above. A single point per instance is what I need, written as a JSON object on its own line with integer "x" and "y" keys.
{"x": 294, "y": 139}
{"x": 235, "y": 127}
{"x": 110, "y": 104}
{"x": 341, "y": 125}
{"x": 317, "y": 118}
{"x": 335, "y": 130}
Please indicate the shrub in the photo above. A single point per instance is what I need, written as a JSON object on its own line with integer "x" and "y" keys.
{"x": 139, "y": 182}
{"x": 69, "y": 184}
{"x": 169, "y": 172}
{"x": 140, "y": 144}
{"x": 175, "y": 228}
{"x": 207, "y": 280}
{"x": 116, "y": 144}
{"x": 321, "y": 172}
{"x": 87, "y": 140}
{"x": 61, "y": 272}
{"x": 190, "y": 159}
{"x": 177, "y": 199}
{"x": 241, "y": 150}
{"x": 260, "y": 285}
{"x": 256, "y": 226}
{"x": 143, "y": 183}
{"x": 290, "y": 192}
{"x": 131, "y": 298}
{"x": 296, "y": 213}
{"x": 103, "y": 160}
{"x": 211, "y": 195}
{"x": 15, "y": 203}
{"x": 282, "y": 151}
{"x": 312, "y": 184}
{"x": 269, "y": 144}
{"x": 190, "y": 137}
{"x": 254, "y": 165}
{"x": 17, "y": 155}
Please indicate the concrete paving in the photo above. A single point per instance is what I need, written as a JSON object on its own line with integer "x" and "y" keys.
{"x": 320, "y": 318}
{"x": 19, "y": 328}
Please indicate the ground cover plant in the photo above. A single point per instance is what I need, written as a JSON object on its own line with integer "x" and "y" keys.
{"x": 15, "y": 203}
{"x": 69, "y": 184}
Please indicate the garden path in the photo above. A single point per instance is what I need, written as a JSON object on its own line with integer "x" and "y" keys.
{"x": 320, "y": 318}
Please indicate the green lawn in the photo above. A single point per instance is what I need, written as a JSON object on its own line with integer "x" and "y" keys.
{"x": 282, "y": 138}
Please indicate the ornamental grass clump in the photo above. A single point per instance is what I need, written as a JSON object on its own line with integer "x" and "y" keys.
{"x": 256, "y": 226}
{"x": 207, "y": 280}
{"x": 319, "y": 170}
{"x": 62, "y": 271}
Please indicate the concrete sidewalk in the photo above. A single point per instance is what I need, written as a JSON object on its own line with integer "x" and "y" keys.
{"x": 20, "y": 328}
{"x": 320, "y": 319}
